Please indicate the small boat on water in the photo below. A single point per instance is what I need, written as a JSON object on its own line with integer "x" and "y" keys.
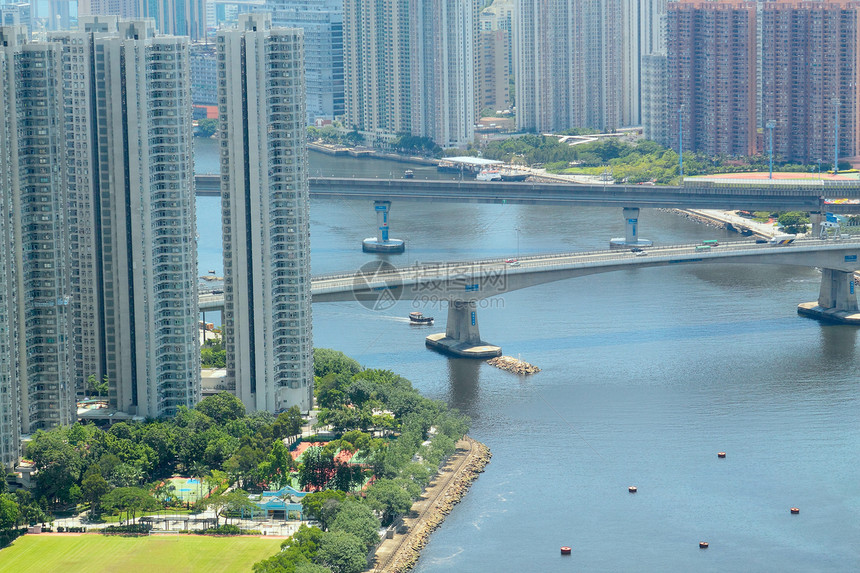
{"x": 419, "y": 318}
{"x": 408, "y": 174}
{"x": 211, "y": 271}
{"x": 511, "y": 175}
{"x": 489, "y": 175}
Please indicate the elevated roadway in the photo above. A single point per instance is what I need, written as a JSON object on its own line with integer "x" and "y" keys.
{"x": 777, "y": 195}
{"x": 463, "y": 284}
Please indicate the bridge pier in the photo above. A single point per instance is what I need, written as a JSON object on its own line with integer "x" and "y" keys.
{"x": 631, "y": 231}
{"x": 837, "y": 299}
{"x": 462, "y": 337}
{"x": 381, "y": 243}
{"x": 815, "y": 219}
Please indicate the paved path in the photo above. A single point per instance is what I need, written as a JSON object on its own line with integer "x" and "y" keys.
{"x": 759, "y": 228}
{"x": 392, "y": 551}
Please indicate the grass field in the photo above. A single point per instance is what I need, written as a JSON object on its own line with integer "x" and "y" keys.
{"x": 156, "y": 554}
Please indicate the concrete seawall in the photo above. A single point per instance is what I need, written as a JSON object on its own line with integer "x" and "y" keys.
{"x": 400, "y": 552}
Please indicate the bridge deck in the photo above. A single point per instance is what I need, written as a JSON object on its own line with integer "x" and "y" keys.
{"x": 694, "y": 194}
{"x": 455, "y": 276}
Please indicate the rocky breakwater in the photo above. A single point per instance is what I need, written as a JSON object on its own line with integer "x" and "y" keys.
{"x": 515, "y": 365}
{"x": 452, "y": 488}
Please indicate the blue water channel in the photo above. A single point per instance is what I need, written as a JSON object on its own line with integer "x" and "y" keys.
{"x": 647, "y": 374}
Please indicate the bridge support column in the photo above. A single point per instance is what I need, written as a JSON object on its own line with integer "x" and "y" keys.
{"x": 462, "y": 337}
{"x": 816, "y": 219}
{"x": 631, "y": 231}
{"x": 837, "y": 298}
{"x": 382, "y": 243}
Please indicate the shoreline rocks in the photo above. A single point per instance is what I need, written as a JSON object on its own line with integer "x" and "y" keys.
{"x": 515, "y": 365}
{"x": 697, "y": 218}
{"x": 460, "y": 483}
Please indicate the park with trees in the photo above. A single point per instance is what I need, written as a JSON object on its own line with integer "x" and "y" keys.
{"x": 395, "y": 440}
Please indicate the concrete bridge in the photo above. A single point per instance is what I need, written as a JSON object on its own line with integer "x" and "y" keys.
{"x": 727, "y": 194}
{"x": 463, "y": 284}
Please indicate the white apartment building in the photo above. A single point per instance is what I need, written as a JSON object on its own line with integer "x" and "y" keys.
{"x": 266, "y": 232}
{"x": 204, "y": 74}
{"x": 640, "y": 35}
{"x": 35, "y": 380}
{"x": 578, "y": 63}
{"x": 443, "y": 42}
{"x": 132, "y": 213}
{"x": 409, "y": 67}
{"x": 377, "y": 67}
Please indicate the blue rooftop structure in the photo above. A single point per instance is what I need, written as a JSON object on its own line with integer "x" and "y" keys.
{"x": 286, "y": 499}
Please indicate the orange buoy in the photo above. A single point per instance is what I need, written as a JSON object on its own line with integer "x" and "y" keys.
{"x": 632, "y": 489}
{"x": 703, "y": 544}
{"x": 721, "y": 454}
{"x": 565, "y": 550}
{"x": 795, "y": 510}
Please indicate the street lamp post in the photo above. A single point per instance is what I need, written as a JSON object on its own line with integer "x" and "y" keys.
{"x": 681, "y": 142}
{"x": 835, "y": 101}
{"x": 770, "y": 125}
{"x": 517, "y": 229}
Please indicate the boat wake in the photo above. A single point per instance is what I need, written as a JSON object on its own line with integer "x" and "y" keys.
{"x": 440, "y": 560}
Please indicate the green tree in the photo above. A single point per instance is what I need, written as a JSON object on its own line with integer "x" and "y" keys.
{"x": 288, "y": 423}
{"x": 93, "y": 487}
{"x": 316, "y": 468}
{"x": 243, "y": 465}
{"x": 323, "y": 505}
{"x": 296, "y": 554}
{"x": 206, "y": 127}
{"x": 164, "y": 492}
{"x": 238, "y": 504}
{"x": 214, "y": 480}
{"x": 214, "y": 502}
{"x": 347, "y": 476}
{"x": 793, "y": 222}
{"x": 10, "y": 513}
{"x": 131, "y": 500}
{"x": 328, "y": 361}
{"x": 276, "y": 468}
{"x": 222, "y": 407}
{"x": 390, "y": 498}
{"x": 342, "y": 552}
{"x": 97, "y": 388}
{"x": 58, "y": 462}
{"x": 213, "y": 354}
{"x": 357, "y": 518}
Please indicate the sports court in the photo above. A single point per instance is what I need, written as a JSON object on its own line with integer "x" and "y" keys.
{"x": 188, "y": 489}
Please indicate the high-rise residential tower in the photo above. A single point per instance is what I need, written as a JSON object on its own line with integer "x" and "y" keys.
{"x": 35, "y": 344}
{"x": 711, "y": 72}
{"x": 409, "y": 68}
{"x": 377, "y": 69}
{"x": 132, "y": 213}
{"x": 640, "y": 36}
{"x": 443, "y": 39}
{"x": 264, "y": 197}
{"x": 322, "y": 24}
{"x": 172, "y": 17}
{"x": 126, "y": 9}
{"x": 567, "y": 61}
{"x": 17, "y": 14}
{"x": 810, "y": 52}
